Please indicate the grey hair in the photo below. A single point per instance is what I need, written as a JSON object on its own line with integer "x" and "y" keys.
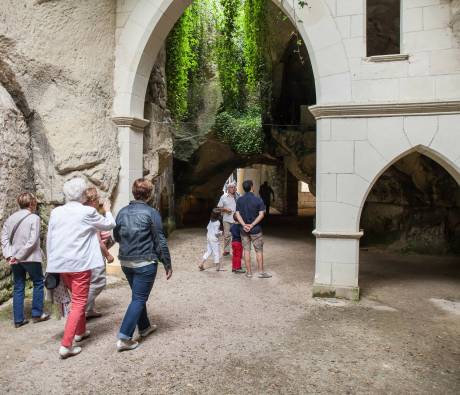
{"x": 74, "y": 190}
{"x": 231, "y": 184}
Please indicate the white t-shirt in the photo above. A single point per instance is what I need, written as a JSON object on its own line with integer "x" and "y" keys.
{"x": 228, "y": 201}
{"x": 213, "y": 230}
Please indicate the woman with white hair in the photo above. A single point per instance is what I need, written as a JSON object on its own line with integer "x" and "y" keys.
{"x": 73, "y": 251}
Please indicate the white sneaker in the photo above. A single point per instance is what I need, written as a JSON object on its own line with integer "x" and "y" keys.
{"x": 126, "y": 345}
{"x": 148, "y": 331}
{"x": 79, "y": 338}
{"x": 65, "y": 352}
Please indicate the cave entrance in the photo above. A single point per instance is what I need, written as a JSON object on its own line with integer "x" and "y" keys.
{"x": 411, "y": 223}
{"x": 199, "y": 133}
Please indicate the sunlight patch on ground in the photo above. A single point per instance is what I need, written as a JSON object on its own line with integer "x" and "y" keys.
{"x": 447, "y": 305}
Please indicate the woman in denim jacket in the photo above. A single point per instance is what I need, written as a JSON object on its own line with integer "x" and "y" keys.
{"x": 139, "y": 231}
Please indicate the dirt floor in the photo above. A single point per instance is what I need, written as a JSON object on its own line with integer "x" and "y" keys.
{"x": 221, "y": 333}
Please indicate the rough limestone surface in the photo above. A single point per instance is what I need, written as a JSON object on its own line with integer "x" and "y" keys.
{"x": 15, "y": 169}
{"x": 56, "y": 59}
{"x": 158, "y": 142}
{"x": 414, "y": 206}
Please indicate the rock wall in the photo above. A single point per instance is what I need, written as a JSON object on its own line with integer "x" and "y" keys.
{"x": 158, "y": 142}
{"x": 414, "y": 206}
{"x": 57, "y": 61}
{"x": 16, "y": 173}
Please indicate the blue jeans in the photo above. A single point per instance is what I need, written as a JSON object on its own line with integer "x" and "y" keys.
{"x": 19, "y": 278}
{"x": 141, "y": 282}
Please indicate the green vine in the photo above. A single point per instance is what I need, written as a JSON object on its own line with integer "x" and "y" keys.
{"x": 188, "y": 50}
{"x": 235, "y": 44}
{"x": 241, "y": 131}
{"x": 229, "y": 56}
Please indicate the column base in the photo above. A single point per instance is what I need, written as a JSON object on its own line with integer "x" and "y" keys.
{"x": 334, "y": 291}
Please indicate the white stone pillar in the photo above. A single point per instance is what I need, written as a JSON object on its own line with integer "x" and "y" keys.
{"x": 338, "y": 193}
{"x": 130, "y": 142}
{"x": 337, "y": 264}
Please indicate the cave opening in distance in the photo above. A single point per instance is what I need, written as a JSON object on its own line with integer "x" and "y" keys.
{"x": 184, "y": 144}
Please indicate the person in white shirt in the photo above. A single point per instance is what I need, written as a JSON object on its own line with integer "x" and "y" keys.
{"x": 213, "y": 244}
{"x": 21, "y": 248}
{"x": 73, "y": 251}
{"x": 227, "y": 204}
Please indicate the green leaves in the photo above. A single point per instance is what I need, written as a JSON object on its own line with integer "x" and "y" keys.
{"x": 188, "y": 51}
{"x": 243, "y": 132}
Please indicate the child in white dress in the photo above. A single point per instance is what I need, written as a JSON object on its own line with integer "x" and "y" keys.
{"x": 213, "y": 243}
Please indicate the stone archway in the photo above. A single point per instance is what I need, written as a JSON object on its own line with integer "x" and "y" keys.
{"x": 142, "y": 36}
{"x": 352, "y": 154}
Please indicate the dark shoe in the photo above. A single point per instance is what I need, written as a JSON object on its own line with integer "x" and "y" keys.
{"x": 239, "y": 271}
{"x": 93, "y": 314}
{"x": 43, "y": 317}
{"x": 225, "y": 253}
{"x": 19, "y": 324}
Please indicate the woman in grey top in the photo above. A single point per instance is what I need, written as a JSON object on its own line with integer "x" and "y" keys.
{"x": 21, "y": 248}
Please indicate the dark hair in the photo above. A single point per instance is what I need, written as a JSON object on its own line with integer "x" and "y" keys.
{"x": 142, "y": 189}
{"x": 26, "y": 199}
{"x": 247, "y": 185}
{"x": 215, "y": 215}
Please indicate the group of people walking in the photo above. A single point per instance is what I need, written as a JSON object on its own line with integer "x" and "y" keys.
{"x": 241, "y": 222}
{"x": 79, "y": 235}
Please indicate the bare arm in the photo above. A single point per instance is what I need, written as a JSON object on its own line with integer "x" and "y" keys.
{"x": 104, "y": 249}
{"x": 239, "y": 219}
{"x": 259, "y": 218}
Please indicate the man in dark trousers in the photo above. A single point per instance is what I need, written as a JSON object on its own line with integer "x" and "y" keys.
{"x": 250, "y": 210}
{"x": 266, "y": 192}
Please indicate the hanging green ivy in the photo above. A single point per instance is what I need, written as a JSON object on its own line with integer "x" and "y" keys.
{"x": 188, "y": 49}
{"x": 228, "y": 35}
{"x": 255, "y": 26}
{"x": 179, "y": 62}
{"x": 229, "y": 56}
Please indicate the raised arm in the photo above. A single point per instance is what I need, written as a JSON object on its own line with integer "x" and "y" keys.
{"x": 100, "y": 222}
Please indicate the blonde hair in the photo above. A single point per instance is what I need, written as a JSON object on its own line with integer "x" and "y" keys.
{"x": 91, "y": 195}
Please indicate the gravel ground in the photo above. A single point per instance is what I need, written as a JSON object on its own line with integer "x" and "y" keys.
{"x": 221, "y": 333}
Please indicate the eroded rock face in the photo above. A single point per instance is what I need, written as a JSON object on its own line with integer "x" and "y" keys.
{"x": 57, "y": 62}
{"x": 414, "y": 206}
{"x": 16, "y": 173}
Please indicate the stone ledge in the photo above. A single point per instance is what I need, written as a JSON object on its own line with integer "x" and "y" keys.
{"x": 331, "y": 291}
{"x": 337, "y": 235}
{"x": 137, "y": 124}
{"x": 384, "y": 109}
{"x": 387, "y": 58}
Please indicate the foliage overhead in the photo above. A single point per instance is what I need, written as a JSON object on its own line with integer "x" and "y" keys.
{"x": 227, "y": 38}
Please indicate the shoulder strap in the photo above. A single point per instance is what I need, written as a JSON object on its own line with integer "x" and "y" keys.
{"x": 16, "y": 228}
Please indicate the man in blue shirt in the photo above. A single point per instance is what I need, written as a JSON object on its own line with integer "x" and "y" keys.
{"x": 250, "y": 210}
